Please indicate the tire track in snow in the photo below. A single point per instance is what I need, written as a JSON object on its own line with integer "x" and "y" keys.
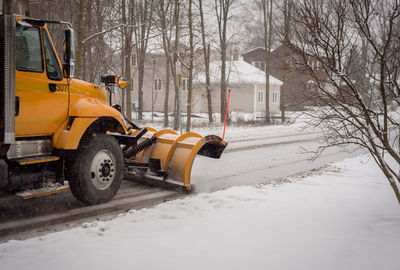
{"x": 256, "y": 146}
{"x": 274, "y": 137}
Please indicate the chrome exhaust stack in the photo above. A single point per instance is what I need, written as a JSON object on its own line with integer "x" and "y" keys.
{"x": 7, "y": 74}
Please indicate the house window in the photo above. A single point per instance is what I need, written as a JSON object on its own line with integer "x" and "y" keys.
{"x": 274, "y": 97}
{"x": 311, "y": 86}
{"x": 140, "y": 4}
{"x": 131, "y": 85}
{"x": 157, "y": 84}
{"x": 133, "y": 60}
{"x": 311, "y": 63}
{"x": 259, "y": 65}
{"x": 260, "y": 96}
{"x": 185, "y": 84}
{"x": 289, "y": 63}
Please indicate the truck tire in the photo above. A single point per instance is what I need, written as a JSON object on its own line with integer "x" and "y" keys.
{"x": 97, "y": 169}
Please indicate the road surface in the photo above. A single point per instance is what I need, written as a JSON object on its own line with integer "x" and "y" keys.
{"x": 249, "y": 161}
{"x": 246, "y": 161}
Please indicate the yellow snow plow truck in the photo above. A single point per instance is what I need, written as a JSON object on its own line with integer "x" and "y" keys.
{"x": 53, "y": 126}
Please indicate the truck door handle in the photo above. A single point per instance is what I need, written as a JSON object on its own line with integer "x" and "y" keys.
{"x": 52, "y": 87}
{"x": 16, "y": 105}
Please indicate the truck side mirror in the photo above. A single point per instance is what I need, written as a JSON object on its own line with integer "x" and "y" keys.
{"x": 69, "y": 53}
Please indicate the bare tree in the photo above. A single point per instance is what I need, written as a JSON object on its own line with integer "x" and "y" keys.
{"x": 169, "y": 15}
{"x": 127, "y": 19}
{"x": 363, "y": 112}
{"x": 142, "y": 20}
{"x": 267, "y": 12}
{"x": 222, "y": 8}
{"x": 167, "y": 79}
{"x": 206, "y": 55}
{"x": 175, "y": 57}
{"x": 286, "y": 38}
{"x": 79, "y": 49}
{"x": 88, "y": 28}
{"x": 89, "y": 17}
{"x": 162, "y": 10}
{"x": 191, "y": 61}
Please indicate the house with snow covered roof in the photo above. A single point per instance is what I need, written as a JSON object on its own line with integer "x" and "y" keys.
{"x": 285, "y": 63}
{"x": 247, "y": 84}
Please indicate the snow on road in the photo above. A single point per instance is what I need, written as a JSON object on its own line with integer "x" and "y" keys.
{"x": 346, "y": 217}
{"x": 262, "y": 154}
{"x": 261, "y": 164}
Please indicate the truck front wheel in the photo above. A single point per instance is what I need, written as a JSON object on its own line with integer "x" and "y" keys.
{"x": 97, "y": 170}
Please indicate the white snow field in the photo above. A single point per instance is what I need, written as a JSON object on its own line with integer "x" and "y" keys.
{"x": 343, "y": 217}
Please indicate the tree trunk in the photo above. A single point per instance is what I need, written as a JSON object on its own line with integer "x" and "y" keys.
{"x": 206, "y": 54}
{"x": 282, "y": 97}
{"x": 166, "y": 111}
{"x": 223, "y": 74}
{"x": 176, "y": 79}
{"x": 286, "y": 18}
{"x": 267, "y": 11}
{"x": 189, "y": 98}
{"x": 79, "y": 50}
{"x": 127, "y": 52}
{"x": 87, "y": 57}
{"x": 142, "y": 17}
{"x": 222, "y": 13}
{"x": 140, "y": 87}
{"x": 123, "y": 65}
{"x": 208, "y": 86}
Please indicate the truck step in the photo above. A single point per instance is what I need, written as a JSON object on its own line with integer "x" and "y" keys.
{"x": 44, "y": 191}
{"x": 35, "y": 160}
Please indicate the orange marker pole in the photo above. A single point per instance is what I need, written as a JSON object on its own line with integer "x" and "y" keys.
{"x": 226, "y": 112}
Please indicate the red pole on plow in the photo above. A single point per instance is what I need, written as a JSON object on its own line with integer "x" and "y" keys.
{"x": 226, "y": 113}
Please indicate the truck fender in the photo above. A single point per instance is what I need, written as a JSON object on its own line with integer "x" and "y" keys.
{"x": 68, "y": 138}
{"x": 90, "y": 107}
{"x": 70, "y": 134}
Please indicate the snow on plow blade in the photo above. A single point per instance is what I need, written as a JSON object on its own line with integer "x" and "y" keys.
{"x": 176, "y": 153}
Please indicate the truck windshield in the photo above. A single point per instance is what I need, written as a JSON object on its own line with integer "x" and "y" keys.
{"x": 52, "y": 67}
{"x": 28, "y": 49}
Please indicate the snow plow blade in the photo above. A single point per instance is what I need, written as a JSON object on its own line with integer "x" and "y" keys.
{"x": 170, "y": 157}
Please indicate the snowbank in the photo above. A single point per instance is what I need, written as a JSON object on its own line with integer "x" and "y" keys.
{"x": 343, "y": 218}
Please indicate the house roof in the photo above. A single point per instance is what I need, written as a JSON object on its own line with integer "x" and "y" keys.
{"x": 252, "y": 50}
{"x": 237, "y": 72}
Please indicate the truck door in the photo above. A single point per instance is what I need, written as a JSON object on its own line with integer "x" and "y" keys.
{"x": 41, "y": 90}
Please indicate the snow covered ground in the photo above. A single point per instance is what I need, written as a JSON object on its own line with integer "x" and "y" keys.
{"x": 343, "y": 217}
{"x": 201, "y": 119}
{"x": 236, "y": 132}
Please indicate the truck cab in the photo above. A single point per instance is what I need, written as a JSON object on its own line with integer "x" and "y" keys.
{"x": 39, "y": 83}
{"x": 59, "y": 126}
